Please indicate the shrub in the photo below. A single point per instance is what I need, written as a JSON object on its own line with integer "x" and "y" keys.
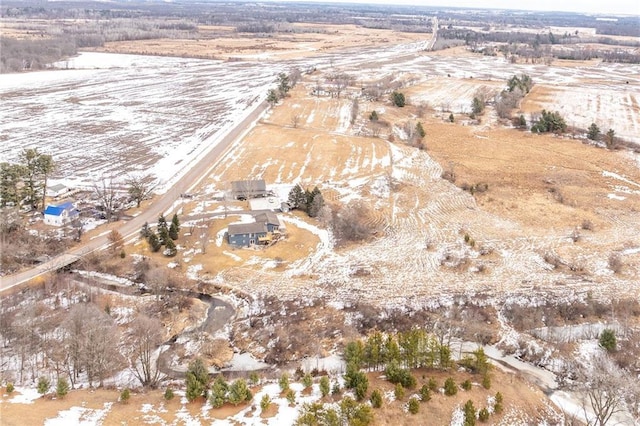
{"x": 376, "y": 399}
{"x": 466, "y": 385}
{"x": 486, "y": 381}
{"x": 432, "y": 384}
{"x": 373, "y": 116}
{"x": 497, "y": 408}
{"x": 168, "y": 394}
{"x": 414, "y": 405}
{"x": 399, "y": 392}
{"x": 10, "y": 388}
{"x": 219, "y": 392}
{"x": 43, "y": 385}
{"x": 483, "y": 415}
{"x": 608, "y": 340}
{"x": 291, "y": 397}
{"x": 307, "y": 381}
{"x": 450, "y": 387}
{"x": 425, "y": 393}
{"x": 265, "y": 402}
{"x": 239, "y": 392}
{"x": 549, "y": 122}
{"x": 398, "y": 99}
{"x": 615, "y": 263}
{"x": 125, "y": 395}
{"x": 62, "y": 387}
{"x": 335, "y": 390}
{"x": 395, "y": 375}
{"x": 254, "y": 379}
{"x": 469, "y": 414}
{"x": 325, "y": 386}
{"x": 451, "y": 118}
{"x": 284, "y": 382}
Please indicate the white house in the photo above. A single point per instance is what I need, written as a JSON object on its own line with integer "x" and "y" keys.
{"x": 57, "y": 190}
{"x": 59, "y": 215}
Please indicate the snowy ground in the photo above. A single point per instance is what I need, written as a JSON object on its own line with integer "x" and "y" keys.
{"x": 110, "y": 114}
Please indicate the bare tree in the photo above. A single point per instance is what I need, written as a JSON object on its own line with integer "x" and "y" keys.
{"x": 603, "y": 386}
{"x": 339, "y": 82}
{"x": 140, "y": 187}
{"x": 355, "y": 108}
{"x": 107, "y": 195}
{"x": 116, "y": 241}
{"x": 295, "y": 120}
{"x": 144, "y": 338}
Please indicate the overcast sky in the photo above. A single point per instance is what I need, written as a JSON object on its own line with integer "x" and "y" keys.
{"x": 626, "y": 7}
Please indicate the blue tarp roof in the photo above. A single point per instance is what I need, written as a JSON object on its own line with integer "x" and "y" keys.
{"x": 57, "y": 210}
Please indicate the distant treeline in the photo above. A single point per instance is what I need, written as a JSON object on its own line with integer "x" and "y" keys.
{"x": 20, "y": 55}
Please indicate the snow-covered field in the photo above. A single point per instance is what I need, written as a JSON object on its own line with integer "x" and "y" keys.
{"x": 111, "y": 114}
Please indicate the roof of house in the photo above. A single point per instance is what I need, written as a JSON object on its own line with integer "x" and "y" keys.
{"x": 268, "y": 217}
{"x": 57, "y": 210}
{"x": 247, "y": 228}
{"x": 58, "y": 187}
{"x": 248, "y": 185}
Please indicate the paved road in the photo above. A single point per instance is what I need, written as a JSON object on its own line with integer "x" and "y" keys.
{"x": 162, "y": 204}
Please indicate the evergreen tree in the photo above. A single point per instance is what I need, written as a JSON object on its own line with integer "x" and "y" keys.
{"x": 307, "y": 381}
{"x": 284, "y": 382}
{"x": 239, "y": 392}
{"x": 125, "y": 395}
{"x": 272, "y": 97}
{"x": 315, "y": 202}
{"x": 325, "y": 386}
{"x": 297, "y": 198}
{"x": 265, "y": 402}
{"x": 154, "y": 241}
{"x": 414, "y": 405}
{"x": 162, "y": 223}
{"x": 43, "y": 385}
{"x": 420, "y": 130}
{"x": 610, "y": 138}
{"x": 163, "y": 236}
{"x": 451, "y": 118}
{"x": 176, "y": 222}
{"x": 170, "y": 249}
{"x": 477, "y": 106}
{"x": 398, "y": 392}
{"x": 398, "y": 99}
{"x": 145, "y": 231}
{"x": 483, "y": 415}
{"x": 608, "y": 340}
{"x": 376, "y": 399}
{"x": 219, "y": 392}
{"x": 197, "y": 380}
{"x": 593, "y": 132}
{"x": 10, "y": 177}
{"x": 425, "y": 393}
{"x": 173, "y": 232}
{"x": 469, "y": 414}
{"x": 450, "y": 387}
{"x": 168, "y": 394}
{"x": 373, "y": 116}
{"x": 283, "y": 84}
{"x": 62, "y": 387}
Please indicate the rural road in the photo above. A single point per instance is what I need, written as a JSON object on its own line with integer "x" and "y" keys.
{"x": 201, "y": 168}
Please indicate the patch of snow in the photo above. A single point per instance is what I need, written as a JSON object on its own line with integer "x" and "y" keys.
{"x": 616, "y": 197}
{"x": 80, "y": 416}
{"x": 192, "y": 271}
{"x": 25, "y": 396}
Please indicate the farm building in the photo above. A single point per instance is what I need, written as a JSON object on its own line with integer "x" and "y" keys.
{"x": 259, "y": 232}
{"x": 59, "y": 215}
{"x": 57, "y": 190}
{"x": 245, "y": 189}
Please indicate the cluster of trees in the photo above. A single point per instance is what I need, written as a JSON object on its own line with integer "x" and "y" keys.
{"x": 414, "y": 348}
{"x": 507, "y": 100}
{"x": 165, "y": 236}
{"x": 198, "y": 384}
{"x": 594, "y": 133}
{"x": 20, "y": 55}
{"x": 286, "y": 82}
{"x": 347, "y": 412}
{"x": 310, "y": 202}
{"x": 549, "y": 122}
{"x": 25, "y": 182}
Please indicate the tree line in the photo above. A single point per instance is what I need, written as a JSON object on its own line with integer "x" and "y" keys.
{"x": 25, "y": 182}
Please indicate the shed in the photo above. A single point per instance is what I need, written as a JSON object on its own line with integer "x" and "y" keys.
{"x": 245, "y": 189}
{"x": 57, "y": 190}
{"x": 247, "y": 234}
{"x": 59, "y": 215}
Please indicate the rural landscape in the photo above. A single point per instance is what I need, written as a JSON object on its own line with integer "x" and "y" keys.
{"x": 271, "y": 213}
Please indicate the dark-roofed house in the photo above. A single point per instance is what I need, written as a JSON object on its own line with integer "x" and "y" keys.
{"x": 60, "y": 214}
{"x": 248, "y": 234}
{"x": 259, "y": 232}
{"x": 270, "y": 220}
{"x": 245, "y": 189}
